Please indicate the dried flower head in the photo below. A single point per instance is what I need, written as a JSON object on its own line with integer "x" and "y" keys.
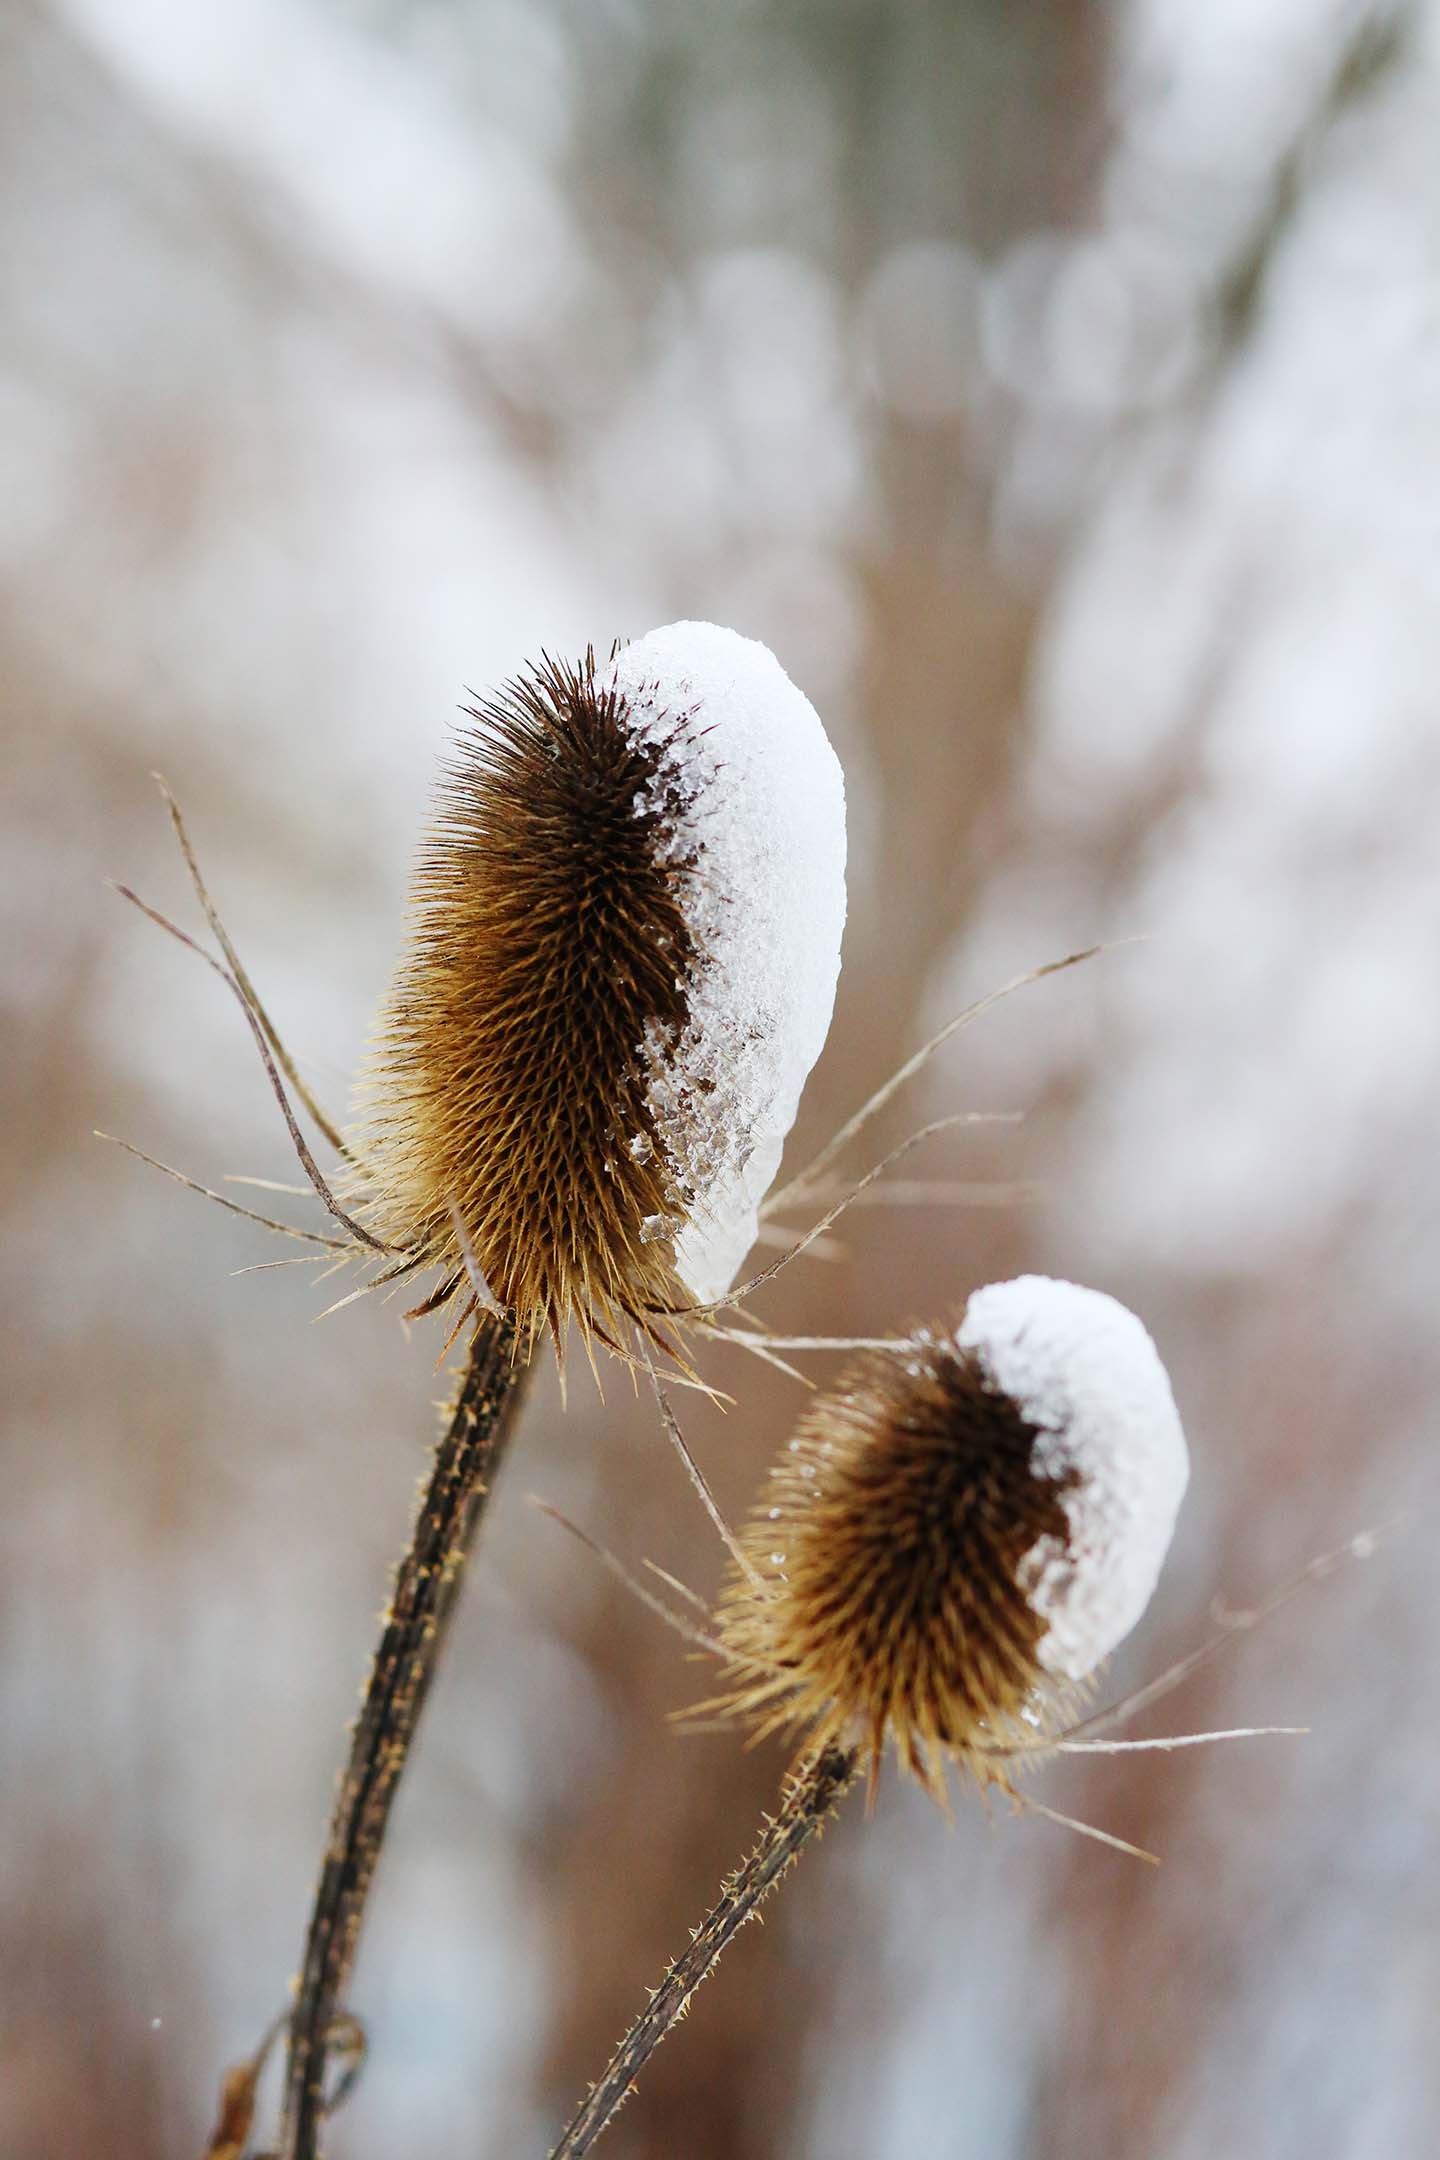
{"x": 622, "y": 965}
{"x": 960, "y": 1532}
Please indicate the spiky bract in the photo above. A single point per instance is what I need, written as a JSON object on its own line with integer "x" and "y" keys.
{"x": 886, "y": 1547}
{"x": 549, "y": 942}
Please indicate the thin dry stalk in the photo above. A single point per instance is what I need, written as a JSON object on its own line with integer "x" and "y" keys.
{"x": 810, "y": 1799}
{"x": 426, "y": 1588}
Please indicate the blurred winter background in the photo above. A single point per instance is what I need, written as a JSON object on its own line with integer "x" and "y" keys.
{"x": 1057, "y": 388}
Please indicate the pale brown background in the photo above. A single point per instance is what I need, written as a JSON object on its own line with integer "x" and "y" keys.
{"x": 1058, "y": 389}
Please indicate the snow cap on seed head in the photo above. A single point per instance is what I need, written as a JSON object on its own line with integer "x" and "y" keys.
{"x": 765, "y": 808}
{"x": 1087, "y": 1378}
{"x": 626, "y": 941}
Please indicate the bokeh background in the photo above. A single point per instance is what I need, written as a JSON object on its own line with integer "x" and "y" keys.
{"x": 1057, "y": 388}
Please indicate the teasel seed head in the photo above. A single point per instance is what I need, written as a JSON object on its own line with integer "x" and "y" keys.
{"x": 621, "y": 967}
{"x": 960, "y": 1533}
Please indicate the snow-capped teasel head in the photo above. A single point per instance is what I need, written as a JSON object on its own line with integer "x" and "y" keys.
{"x": 1087, "y": 1378}
{"x": 622, "y": 964}
{"x": 964, "y": 1526}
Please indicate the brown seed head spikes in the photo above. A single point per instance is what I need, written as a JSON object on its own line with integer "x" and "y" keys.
{"x": 549, "y": 941}
{"x": 888, "y": 1543}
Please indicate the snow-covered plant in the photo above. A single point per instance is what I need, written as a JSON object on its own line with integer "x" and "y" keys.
{"x": 624, "y": 945}
{"x": 960, "y": 1531}
{"x": 950, "y": 1545}
{"x": 622, "y": 959}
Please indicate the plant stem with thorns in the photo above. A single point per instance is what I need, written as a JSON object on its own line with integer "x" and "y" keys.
{"x": 811, "y": 1797}
{"x": 426, "y": 1588}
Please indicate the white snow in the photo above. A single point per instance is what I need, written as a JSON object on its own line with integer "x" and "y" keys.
{"x": 1086, "y": 1375}
{"x": 762, "y": 797}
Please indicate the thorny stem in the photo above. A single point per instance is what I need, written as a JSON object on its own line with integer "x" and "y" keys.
{"x": 426, "y": 1588}
{"x": 810, "y": 1799}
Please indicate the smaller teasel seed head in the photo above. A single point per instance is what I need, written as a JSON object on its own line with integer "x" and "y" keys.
{"x": 622, "y": 962}
{"x": 960, "y": 1532}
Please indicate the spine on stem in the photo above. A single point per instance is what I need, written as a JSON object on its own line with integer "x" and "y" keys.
{"x": 814, "y": 1793}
